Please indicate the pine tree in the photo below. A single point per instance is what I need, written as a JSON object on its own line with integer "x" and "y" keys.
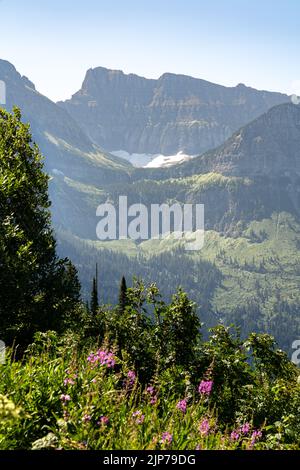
{"x": 123, "y": 301}
{"x": 38, "y": 291}
{"x": 94, "y": 295}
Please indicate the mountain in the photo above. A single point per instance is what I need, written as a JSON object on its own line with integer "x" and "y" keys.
{"x": 175, "y": 113}
{"x": 268, "y": 146}
{"x": 67, "y": 149}
{"x": 252, "y": 175}
{"x": 256, "y": 171}
{"x": 248, "y": 271}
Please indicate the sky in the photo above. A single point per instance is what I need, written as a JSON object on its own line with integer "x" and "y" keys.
{"x": 54, "y": 42}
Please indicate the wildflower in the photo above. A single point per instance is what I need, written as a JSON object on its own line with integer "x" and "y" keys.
{"x": 110, "y": 361}
{"x": 86, "y": 418}
{"x": 131, "y": 377}
{"x": 245, "y": 428}
{"x": 166, "y": 438}
{"x": 205, "y": 387}
{"x": 65, "y": 398}
{"x": 151, "y": 390}
{"x": 139, "y": 417}
{"x": 103, "y": 358}
{"x": 198, "y": 447}
{"x": 234, "y": 436}
{"x": 104, "y": 420}
{"x": 256, "y": 435}
{"x": 182, "y": 406}
{"x": 204, "y": 427}
{"x": 66, "y": 415}
{"x": 68, "y": 381}
{"x": 140, "y": 420}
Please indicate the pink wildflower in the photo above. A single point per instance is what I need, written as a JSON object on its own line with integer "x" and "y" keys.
{"x": 256, "y": 435}
{"x": 104, "y": 420}
{"x": 86, "y": 418}
{"x": 102, "y": 358}
{"x": 139, "y": 417}
{"x": 131, "y": 377}
{"x": 205, "y": 387}
{"x": 166, "y": 438}
{"x": 204, "y": 427}
{"x": 152, "y": 392}
{"x": 153, "y": 401}
{"x": 234, "y": 436}
{"x": 245, "y": 428}
{"x": 182, "y": 406}
{"x": 65, "y": 398}
{"x": 68, "y": 381}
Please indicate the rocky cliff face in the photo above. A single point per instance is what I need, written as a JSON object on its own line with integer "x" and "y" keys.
{"x": 174, "y": 113}
{"x": 269, "y": 146}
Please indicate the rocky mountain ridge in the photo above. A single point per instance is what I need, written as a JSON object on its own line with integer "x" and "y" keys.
{"x": 175, "y": 113}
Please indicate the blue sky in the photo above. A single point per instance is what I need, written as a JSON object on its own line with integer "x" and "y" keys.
{"x": 54, "y": 42}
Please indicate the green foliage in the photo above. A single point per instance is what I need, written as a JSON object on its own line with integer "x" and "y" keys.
{"x": 37, "y": 289}
{"x": 94, "y": 294}
{"x": 152, "y": 334}
{"x": 123, "y": 301}
{"x": 180, "y": 330}
{"x": 69, "y": 394}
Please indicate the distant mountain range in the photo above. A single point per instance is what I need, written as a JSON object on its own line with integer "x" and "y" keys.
{"x": 247, "y": 173}
{"x": 175, "y": 113}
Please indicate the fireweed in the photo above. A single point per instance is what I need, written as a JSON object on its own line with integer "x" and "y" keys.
{"x": 80, "y": 398}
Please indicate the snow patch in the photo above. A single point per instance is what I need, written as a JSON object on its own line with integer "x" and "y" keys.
{"x": 143, "y": 160}
{"x": 164, "y": 161}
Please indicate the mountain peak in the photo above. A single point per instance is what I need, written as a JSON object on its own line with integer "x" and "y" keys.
{"x": 267, "y": 146}
{"x": 7, "y": 66}
{"x": 104, "y": 71}
{"x": 9, "y": 74}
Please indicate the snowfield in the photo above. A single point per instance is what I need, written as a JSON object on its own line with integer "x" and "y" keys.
{"x": 143, "y": 160}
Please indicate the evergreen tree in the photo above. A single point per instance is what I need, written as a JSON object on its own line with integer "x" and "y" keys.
{"x": 37, "y": 289}
{"x": 94, "y": 295}
{"x": 123, "y": 300}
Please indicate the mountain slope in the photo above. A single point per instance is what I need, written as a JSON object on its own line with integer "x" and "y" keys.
{"x": 66, "y": 147}
{"x": 172, "y": 114}
{"x": 268, "y": 146}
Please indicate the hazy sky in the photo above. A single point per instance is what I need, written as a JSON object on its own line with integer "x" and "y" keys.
{"x": 54, "y": 42}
